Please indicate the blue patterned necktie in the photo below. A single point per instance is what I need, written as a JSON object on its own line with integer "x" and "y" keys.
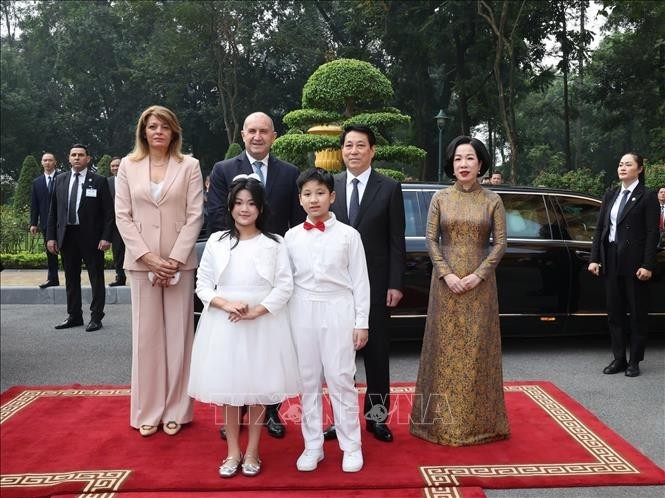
{"x": 257, "y": 169}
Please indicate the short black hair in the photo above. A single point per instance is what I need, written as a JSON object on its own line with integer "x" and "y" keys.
{"x": 478, "y": 146}
{"x": 319, "y": 175}
{"x": 371, "y": 138}
{"x": 80, "y": 146}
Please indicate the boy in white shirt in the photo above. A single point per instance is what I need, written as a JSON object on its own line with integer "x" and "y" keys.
{"x": 329, "y": 313}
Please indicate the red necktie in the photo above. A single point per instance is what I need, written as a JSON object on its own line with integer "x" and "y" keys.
{"x": 319, "y": 225}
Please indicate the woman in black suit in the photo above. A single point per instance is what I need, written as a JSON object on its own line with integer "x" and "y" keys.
{"x": 624, "y": 251}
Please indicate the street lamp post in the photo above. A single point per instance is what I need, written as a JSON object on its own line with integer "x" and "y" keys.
{"x": 440, "y": 122}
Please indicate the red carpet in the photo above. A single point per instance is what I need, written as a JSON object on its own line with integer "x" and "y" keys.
{"x": 448, "y": 492}
{"x": 73, "y": 440}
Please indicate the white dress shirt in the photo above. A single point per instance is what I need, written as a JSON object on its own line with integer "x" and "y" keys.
{"x": 329, "y": 262}
{"x": 614, "y": 212}
{"x": 363, "y": 178}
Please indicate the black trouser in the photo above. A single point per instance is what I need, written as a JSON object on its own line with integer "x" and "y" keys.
{"x": 52, "y": 262}
{"x": 118, "y": 247}
{"x": 376, "y": 355}
{"x": 626, "y": 294}
{"x": 74, "y": 250}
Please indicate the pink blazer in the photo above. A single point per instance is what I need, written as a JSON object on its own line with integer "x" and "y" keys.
{"x": 168, "y": 226}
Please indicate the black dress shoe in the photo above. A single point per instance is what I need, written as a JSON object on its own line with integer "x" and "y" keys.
{"x": 633, "y": 370}
{"x": 615, "y": 367}
{"x": 381, "y": 431}
{"x": 49, "y": 283}
{"x": 275, "y": 427}
{"x": 330, "y": 433}
{"x": 117, "y": 283}
{"x": 69, "y": 323}
{"x": 93, "y": 325}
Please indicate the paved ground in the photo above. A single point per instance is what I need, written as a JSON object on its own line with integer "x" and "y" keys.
{"x": 32, "y": 278}
{"x": 33, "y": 353}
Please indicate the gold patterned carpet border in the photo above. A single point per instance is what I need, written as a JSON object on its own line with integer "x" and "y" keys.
{"x": 606, "y": 459}
{"x": 98, "y": 483}
{"x": 23, "y": 400}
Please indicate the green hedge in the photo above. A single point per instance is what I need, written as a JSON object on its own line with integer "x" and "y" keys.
{"x": 37, "y": 261}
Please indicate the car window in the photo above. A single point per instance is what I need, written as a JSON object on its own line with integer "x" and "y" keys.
{"x": 526, "y": 216}
{"x": 411, "y": 213}
{"x": 427, "y": 197}
{"x": 581, "y": 217}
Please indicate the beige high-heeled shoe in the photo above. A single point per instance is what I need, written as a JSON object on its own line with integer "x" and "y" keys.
{"x": 147, "y": 430}
{"x": 172, "y": 428}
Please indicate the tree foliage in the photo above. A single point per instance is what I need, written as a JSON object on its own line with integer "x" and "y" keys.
{"x": 83, "y": 72}
{"x": 233, "y": 150}
{"x": 29, "y": 171}
{"x": 581, "y": 180}
{"x": 104, "y": 165}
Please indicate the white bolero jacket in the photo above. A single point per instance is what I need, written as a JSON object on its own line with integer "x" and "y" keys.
{"x": 271, "y": 263}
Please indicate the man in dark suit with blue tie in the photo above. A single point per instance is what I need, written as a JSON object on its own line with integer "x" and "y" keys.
{"x": 372, "y": 204}
{"x": 279, "y": 179}
{"x": 80, "y": 226}
{"x": 42, "y": 187}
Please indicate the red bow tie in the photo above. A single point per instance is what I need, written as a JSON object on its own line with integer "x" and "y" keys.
{"x": 319, "y": 225}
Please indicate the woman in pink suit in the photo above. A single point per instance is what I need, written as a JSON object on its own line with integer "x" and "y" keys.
{"x": 159, "y": 213}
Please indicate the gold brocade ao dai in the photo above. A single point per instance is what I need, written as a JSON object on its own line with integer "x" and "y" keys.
{"x": 459, "y": 393}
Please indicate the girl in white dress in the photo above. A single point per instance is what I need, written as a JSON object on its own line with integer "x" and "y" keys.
{"x": 243, "y": 353}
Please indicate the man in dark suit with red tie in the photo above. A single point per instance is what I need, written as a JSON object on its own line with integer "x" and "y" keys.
{"x": 624, "y": 252}
{"x": 372, "y": 204}
{"x": 80, "y": 226}
{"x": 42, "y": 187}
{"x": 279, "y": 179}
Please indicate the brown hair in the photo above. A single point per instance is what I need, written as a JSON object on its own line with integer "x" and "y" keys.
{"x": 141, "y": 148}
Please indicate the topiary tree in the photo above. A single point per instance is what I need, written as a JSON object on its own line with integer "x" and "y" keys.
{"x": 29, "y": 171}
{"x": 344, "y": 92}
{"x": 347, "y": 86}
{"x": 233, "y": 150}
{"x": 104, "y": 165}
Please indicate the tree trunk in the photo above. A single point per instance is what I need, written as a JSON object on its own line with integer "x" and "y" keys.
{"x": 505, "y": 101}
{"x": 580, "y": 84}
{"x": 565, "y": 48}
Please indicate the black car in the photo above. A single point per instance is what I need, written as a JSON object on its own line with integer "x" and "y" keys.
{"x": 543, "y": 283}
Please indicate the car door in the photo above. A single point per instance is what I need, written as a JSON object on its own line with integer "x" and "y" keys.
{"x": 587, "y": 297}
{"x": 408, "y": 319}
{"x": 533, "y": 277}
